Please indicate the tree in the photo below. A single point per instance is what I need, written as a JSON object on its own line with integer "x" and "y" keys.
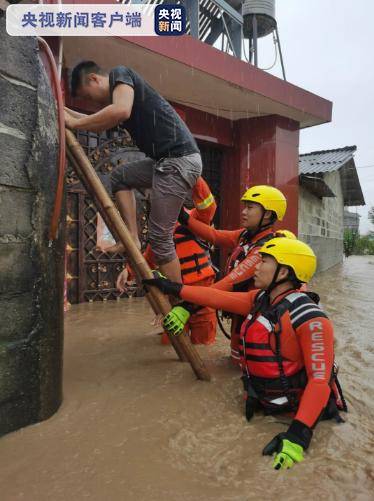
{"x": 350, "y": 242}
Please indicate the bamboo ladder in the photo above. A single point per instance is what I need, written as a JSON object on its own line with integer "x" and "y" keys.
{"x": 115, "y": 223}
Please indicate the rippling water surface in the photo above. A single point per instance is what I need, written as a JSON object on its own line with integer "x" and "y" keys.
{"x": 136, "y": 425}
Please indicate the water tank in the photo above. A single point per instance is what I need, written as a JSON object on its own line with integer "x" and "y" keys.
{"x": 265, "y": 15}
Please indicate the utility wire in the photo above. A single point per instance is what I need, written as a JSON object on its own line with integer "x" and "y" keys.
{"x": 276, "y": 55}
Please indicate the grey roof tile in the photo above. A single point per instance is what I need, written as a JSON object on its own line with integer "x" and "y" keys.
{"x": 325, "y": 160}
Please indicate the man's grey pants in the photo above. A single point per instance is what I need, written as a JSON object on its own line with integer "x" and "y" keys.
{"x": 171, "y": 180}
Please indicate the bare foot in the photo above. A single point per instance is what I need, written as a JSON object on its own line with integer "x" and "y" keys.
{"x": 157, "y": 320}
{"x": 119, "y": 248}
{"x": 114, "y": 249}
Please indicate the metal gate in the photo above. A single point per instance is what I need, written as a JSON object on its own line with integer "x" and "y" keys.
{"x": 91, "y": 274}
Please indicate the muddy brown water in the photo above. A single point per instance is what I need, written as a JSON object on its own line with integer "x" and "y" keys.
{"x": 136, "y": 425}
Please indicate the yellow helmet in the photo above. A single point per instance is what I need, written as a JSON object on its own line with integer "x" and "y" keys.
{"x": 269, "y": 197}
{"x": 286, "y": 234}
{"x": 293, "y": 253}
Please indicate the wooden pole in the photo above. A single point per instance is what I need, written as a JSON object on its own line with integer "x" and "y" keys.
{"x": 89, "y": 188}
{"x": 110, "y": 214}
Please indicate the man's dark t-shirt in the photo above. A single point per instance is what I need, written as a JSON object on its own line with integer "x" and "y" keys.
{"x": 154, "y": 125}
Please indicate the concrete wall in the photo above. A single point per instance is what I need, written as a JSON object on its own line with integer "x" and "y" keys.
{"x": 31, "y": 271}
{"x": 321, "y": 222}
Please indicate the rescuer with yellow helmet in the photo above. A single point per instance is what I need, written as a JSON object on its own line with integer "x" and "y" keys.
{"x": 262, "y": 206}
{"x": 286, "y": 344}
{"x": 286, "y": 234}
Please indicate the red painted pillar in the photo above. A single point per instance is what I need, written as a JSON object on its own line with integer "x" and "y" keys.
{"x": 266, "y": 151}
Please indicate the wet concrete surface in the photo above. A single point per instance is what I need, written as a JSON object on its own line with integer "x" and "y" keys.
{"x": 31, "y": 270}
{"x": 136, "y": 425}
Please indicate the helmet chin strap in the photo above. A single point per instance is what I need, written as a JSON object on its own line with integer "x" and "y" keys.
{"x": 260, "y": 226}
{"x": 275, "y": 282}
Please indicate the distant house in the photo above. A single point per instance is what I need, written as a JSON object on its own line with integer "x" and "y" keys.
{"x": 351, "y": 221}
{"x": 328, "y": 183}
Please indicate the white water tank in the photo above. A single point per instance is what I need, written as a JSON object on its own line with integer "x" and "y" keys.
{"x": 264, "y": 10}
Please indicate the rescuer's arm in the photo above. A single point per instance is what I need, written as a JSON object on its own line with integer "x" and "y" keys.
{"x": 239, "y": 278}
{"x": 234, "y": 302}
{"x": 316, "y": 341}
{"x": 220, "y": 238}
{"x": 203, "y": 199}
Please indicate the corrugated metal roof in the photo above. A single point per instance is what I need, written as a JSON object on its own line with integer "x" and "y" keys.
{"x": 340, "y": 159}
{"x": 325, "y": 160}
{"x": 316, "y": 185}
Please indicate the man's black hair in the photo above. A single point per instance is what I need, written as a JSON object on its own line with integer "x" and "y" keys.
{"x": 80, "y": 71}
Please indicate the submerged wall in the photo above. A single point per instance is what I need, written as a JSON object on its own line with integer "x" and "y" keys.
{"x": 31, "y": 271}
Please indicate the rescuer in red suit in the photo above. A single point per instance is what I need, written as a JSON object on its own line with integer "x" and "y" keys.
{"x": 262, "y": 207}
{"x": 286, "y": 344}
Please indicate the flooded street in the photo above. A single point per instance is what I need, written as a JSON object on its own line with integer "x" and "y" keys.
{"x": 136, "y": 425}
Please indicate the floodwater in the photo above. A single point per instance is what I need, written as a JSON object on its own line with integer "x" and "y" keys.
{"x": 136, "y": 425}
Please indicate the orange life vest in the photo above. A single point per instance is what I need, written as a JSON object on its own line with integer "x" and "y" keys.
{"x": 245, "y": 245}
{"x": 193, "y": 255}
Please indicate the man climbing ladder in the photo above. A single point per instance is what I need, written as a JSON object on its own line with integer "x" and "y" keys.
{"x": 196, "y": 266}
{"x": 112, "y": 218}
{"x": 173, "y": 161}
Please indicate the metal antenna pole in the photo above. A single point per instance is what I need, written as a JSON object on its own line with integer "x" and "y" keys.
{"x": 226, "y": 28}
{"x": 254, "y": 26}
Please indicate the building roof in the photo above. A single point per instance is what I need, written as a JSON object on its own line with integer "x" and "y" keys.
{"x": 351, "y": 220}
{"x": 352, "y": 215}
{"x": 316, "y": 185}
{"x": 325, "y": 160}
{"x": 313, "y": 165}
{"x": 190, "y": 72}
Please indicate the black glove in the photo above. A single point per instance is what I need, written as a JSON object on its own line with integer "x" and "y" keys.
{"x": 287, "y": 452}
{"x": 298, "y": 433}
{"x": 183, "y": 217}
{"x": 164, "y": 285}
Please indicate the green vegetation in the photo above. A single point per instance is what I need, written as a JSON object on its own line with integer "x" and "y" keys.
{"x": 363, "y": 246}
{"x": 350, "y": 242}
{"x": 355, "y": 244}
